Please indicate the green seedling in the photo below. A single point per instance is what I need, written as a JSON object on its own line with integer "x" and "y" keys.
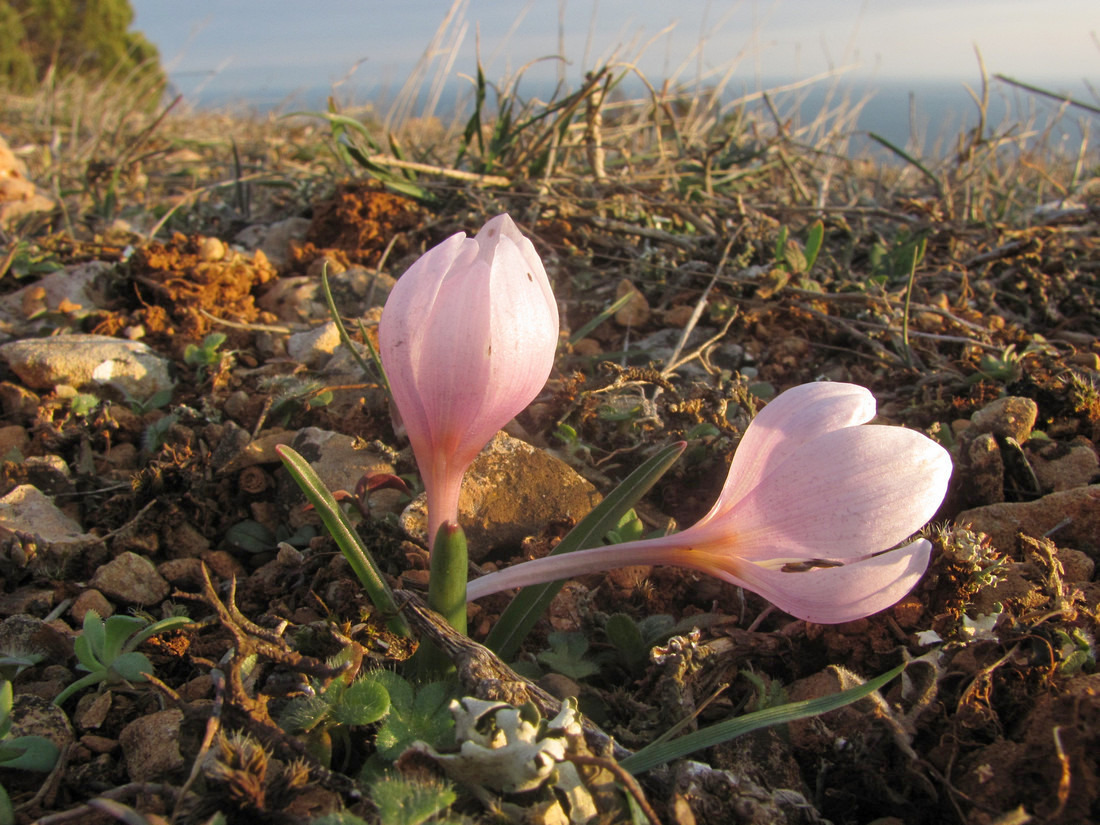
{"x": 1076, "y": 651}
{"x": 634, "y": 639}
{"x": 153, "y": 437}
{"x": 83, "y": 404}
{"x": 326, "y": 717}
{"x": 417, "y": 712}
{"x": 27, "y": 753}
{"x": 895, "y": 262}
{"x": 251, "y": 537}
{"x": 107, "y": 650}
{"x": 793, "y": 261}
{"x": 205, "y": 356}
{"x": 568, "y": 655}
{"x": 405, "y": 801}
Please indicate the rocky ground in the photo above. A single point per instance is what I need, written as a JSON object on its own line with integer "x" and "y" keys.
{"x": 146, "y": 383}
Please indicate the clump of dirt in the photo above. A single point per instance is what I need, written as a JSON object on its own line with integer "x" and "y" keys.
{"x": 359, "y": 224}
{"x": 181, "y": 287}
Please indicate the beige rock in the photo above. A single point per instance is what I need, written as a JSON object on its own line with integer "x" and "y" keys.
{"x": 314, "y": 347}
{"x": 90, "y": 599}
{"x": 88, "y": 360}
{"x": 1071, "y": 517}
{"x": 636, "y": 312}
{"x": 131, "y": 578}
{"x": 1011, "y": 416}
{"x": 338, "y": 459}
{"x": 150, "y": 745}
{"x": 28, "y": 510}
{"x": 505, "y": 497}
{"x": 1060, "y": 466}
{"x": 19, "y": 197}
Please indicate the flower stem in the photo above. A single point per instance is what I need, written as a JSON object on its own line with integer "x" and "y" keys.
{"x": 579, "y": 563}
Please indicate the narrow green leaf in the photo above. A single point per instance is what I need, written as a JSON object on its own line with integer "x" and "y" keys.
{"x": 530, "y": 603}
{"x": 599, "y": 319}
{"x": 345, "y": 536}
{"x": 813, "y": 243}
{"x": 163, "y": 626}
{"x": 660, "y": 753}
{"x": 345, "y": 339}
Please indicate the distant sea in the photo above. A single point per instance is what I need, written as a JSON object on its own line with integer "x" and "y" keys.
{"x": 925, "y": 118}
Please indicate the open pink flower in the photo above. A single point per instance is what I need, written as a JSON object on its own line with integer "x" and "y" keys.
{"x": 467, "y": 338}
{"x": 810, "y": 500}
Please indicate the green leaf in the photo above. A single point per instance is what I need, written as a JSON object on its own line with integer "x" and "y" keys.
{"x": 117, "y": 629}
{"x": 162, "y": 626}
{"x": 336, "y": 522}
{"x": 814, "y": 239}
{"x": 623, "y": 632}
{"x": 403, "y": 801}
{"x": 567, "y": 655}
{"x": 364, "y": 701}
{"x": 132, "y": 666}
{"x": 520, "y": 616}
{"x": 661, "y": 753}
{"x": 35, "y": 753}
{"x": 86, "y": 656}
{"x": 415, "y": 713}
{"x": 250, "y": 537}
{"x": 94, "y": 634}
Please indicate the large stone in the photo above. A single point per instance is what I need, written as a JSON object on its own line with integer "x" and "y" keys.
{"x": 339, "y": 460}
{"x": 1009, "y": 417}
{"x": 131, "y": 578}
{"x": 150, "y": 745}
{"x": 19, "y": 196}
{"x": 88, "y": 361}
{"x": 73, "y": 292}
{"x": 1071, "y": 517}
{"x": 511, "y": 491}
{"x": 27, "y": 510}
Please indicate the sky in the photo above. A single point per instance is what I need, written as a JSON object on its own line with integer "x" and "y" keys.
{"x": 366, "y": 47}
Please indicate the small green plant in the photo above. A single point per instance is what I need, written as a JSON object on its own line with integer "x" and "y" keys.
{"x": 159, "y": 399}
{"x": 205, "y": 357}
{"x": 251, "y": 537}
{"x": 568, "y": 655}
{"x": 28, "y": 753}
{"x": 107, "y": 650}
{"x": 404, "y": 801}
{"x": 83, "y": 404}
{"x": 417, "y": 712}
{"x": 634, "y": 639}
{"x": 895, "y": 261}
{"x": 793, "y": 261}
{"x": 1076, "y": 650}
{"x": 332, "y": 710}
{"x": 153, "y": 437}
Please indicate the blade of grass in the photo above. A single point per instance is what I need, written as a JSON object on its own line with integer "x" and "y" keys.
{"x": 599, "y": 319}
{"x": 657, "y": 754}
{"x": 345, "y": 536}
{"x": 530, "y": 603}
{"x": 908, "y": 158}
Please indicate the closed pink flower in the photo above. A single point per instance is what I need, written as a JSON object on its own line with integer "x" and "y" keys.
{"x": 810, "y": 501}
{"x": 467, "y": 338}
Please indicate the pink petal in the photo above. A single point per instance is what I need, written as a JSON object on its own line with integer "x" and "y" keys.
{"x": 785, "y": 426}
{"x": 829, "y": 595}
{"x": 846, "y": 494}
